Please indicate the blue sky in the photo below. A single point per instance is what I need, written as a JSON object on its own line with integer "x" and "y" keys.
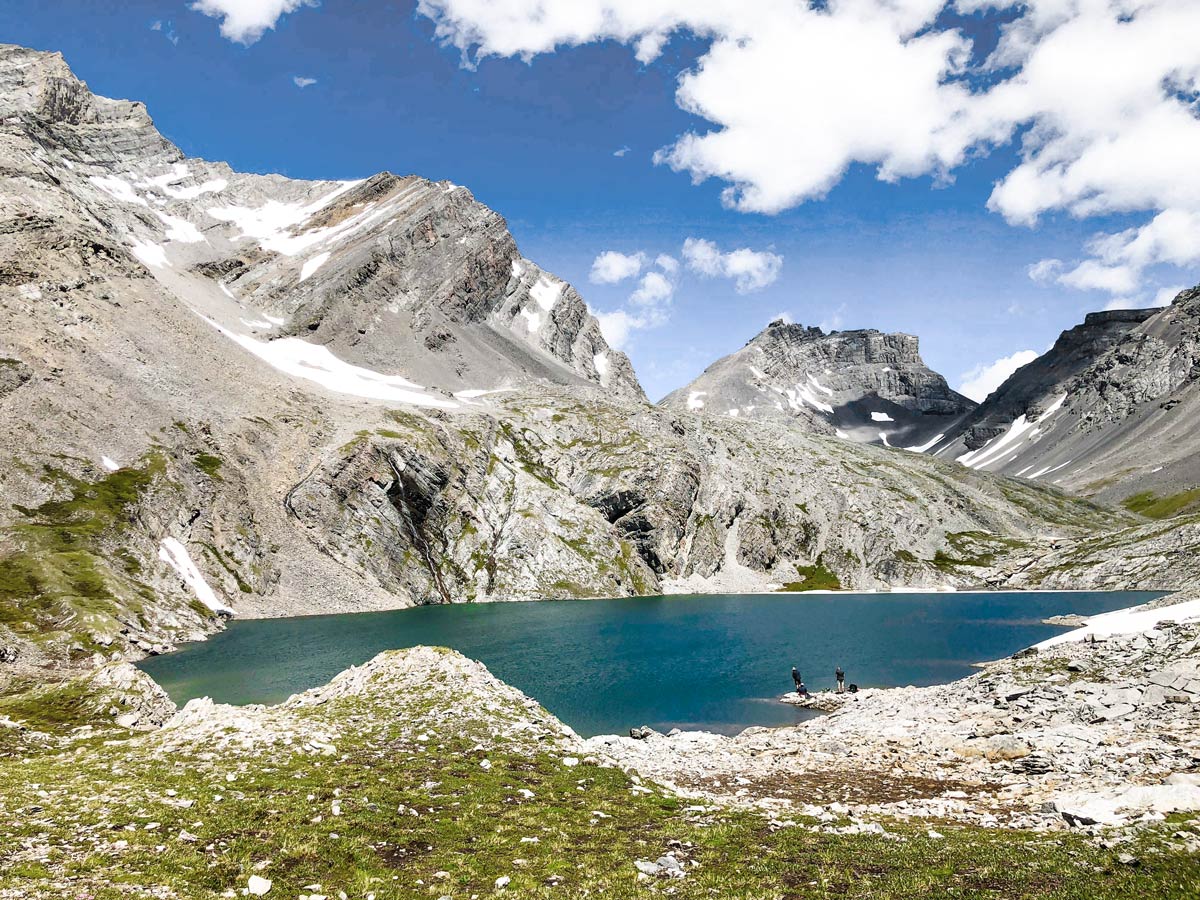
{"x": 536, "y": 141}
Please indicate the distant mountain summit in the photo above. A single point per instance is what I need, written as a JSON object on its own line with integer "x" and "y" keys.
{"x": 1110, "y": 410}
{"x": 864, "y": 385}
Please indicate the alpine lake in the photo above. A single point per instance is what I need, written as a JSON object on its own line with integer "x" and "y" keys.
{"x": 710, "y": 662}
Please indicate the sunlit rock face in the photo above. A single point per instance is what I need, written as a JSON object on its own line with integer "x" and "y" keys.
{"x": 1109, "y": 410}
{"x": 863, "y": 385}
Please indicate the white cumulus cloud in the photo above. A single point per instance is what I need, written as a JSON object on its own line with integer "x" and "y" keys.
{"x": 986, "y": 377}
{"x": 1162, "y": 297}
{"x": 1101, "y": 99}
{"x": 751, "y": 270}
{"x": 616, "y": 326}
{"x": 649, "y": 306}
{"x": 245, "y": 21}
{"x": 1166, "y": 296}
{"x": 653, "y": 290}
{"x": 1046, "y": 270}
{"x": 611, "y": 267}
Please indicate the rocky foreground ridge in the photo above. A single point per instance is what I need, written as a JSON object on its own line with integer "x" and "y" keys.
{"x": 1073, "y": 771}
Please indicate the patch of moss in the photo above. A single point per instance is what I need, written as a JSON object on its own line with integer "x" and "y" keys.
{"x": 564, "y": 587}
{"x": 208, "y": 464}
{"x": 973, "y": 548}
{"x": 60, "y": 581}
{"x": 1150, "y": 505}
{"x": 579, "y": 545}
{"x": 814, "y": 578}
{"x": 631, "y": 572}
{"x": 52, "y": 707}
{"x": 1095, "y": 487}
{"x": 355, "y": 442}
{"x": 228, "y": 567}
{"x": 528, "y": 458}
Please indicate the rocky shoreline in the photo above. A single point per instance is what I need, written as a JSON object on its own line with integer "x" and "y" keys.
{"x": 1074, "y": 734}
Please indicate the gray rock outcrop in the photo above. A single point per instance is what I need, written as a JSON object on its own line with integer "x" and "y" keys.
{"x": 1109, "y": 411}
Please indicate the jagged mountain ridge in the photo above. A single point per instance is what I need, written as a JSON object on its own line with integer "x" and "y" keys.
{"x": 199, "y": 417}
{"x": 1110, "y": 410}
{"x": 863, "y": 385}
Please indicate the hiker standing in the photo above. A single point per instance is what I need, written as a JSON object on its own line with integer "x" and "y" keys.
{"x": 798, "y": 680}
{"x": 841, "y": 680}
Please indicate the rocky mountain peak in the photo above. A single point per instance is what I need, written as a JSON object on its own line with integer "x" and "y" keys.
{"x": 1109, "y": 408}
{"x": 42, "y": 85}
{"x": 862, "y": 384}
{"x": 396, "y": 275}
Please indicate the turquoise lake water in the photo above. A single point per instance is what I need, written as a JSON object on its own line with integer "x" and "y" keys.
{"x": 714, "y": 662}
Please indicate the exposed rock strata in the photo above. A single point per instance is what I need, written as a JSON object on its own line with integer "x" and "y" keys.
{"x": 1114, "y": 404}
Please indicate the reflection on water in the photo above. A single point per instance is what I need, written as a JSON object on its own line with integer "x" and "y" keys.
{"x": 604, "y": 666}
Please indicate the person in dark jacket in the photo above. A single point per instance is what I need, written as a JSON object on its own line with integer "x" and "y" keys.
{"x": 841, "y": 680}
{"x": 797, "y": 679}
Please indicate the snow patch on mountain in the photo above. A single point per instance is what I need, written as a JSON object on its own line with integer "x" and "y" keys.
{"x": 117, "y": 188}
{"x": 164, "y": 184}
{"x": 546, "y": 292}
{"x": 174, "y": 554}
{"x": 151, "y": 254}
{"x": 533, "y": 319}
{"x": 180, "y": 230}
{"x": 311, "y": 362}
{"x": 802, "y": 394}
{"x": 1019, "y": 432}
{"x": 922, "y": 448}
{"x": 311, "y": 265}
{"x": 271, "y": 223}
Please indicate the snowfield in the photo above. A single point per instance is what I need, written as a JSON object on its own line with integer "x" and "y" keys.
{"x": 174, "y": 554}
